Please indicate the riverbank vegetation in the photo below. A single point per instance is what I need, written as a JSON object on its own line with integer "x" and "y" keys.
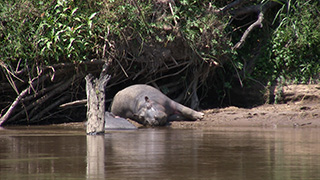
{"x": 197, "y": 52}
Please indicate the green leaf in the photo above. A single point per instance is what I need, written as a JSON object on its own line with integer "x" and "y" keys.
{"x": 74, "y": 11}
{"x": 71, "y": 41}
{"x": 92, "y": 15}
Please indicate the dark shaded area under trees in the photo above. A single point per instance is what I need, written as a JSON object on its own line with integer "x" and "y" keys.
{"x": 207, "y": 54}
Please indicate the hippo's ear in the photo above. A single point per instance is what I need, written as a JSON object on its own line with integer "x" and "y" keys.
{"x": 147, "y": 99}
{"x": 148, "y": 102}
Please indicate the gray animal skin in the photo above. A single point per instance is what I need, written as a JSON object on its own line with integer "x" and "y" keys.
{"x": 148, "y": 106}
{"x": 113, "y": 122}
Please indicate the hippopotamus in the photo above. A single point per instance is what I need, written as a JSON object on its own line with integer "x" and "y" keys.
{"x": 117, "y": 123}
{"x": 148, "y": 106}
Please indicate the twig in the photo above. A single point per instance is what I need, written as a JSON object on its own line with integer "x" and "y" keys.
{"x": 74, "y": 103}
{"x": 41, "y": 92}
{"x": 141, "y": 14}
{"x": 169, "y": 75}
{"x": 174, "y": 17}
{"x": 123, "y": 70}
{"x": 9, "y": 78}
{"x": 234, "y": 66}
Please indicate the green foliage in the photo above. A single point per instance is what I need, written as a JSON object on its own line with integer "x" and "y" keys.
{"x": 296, "y": 44}
{"x": 17, "y": 31}
{"x": 204, "y": 31}
{"x": 294, "y": 49}
{"x": 65, "y": 32}
{"x": 48, "y": 32}
{"x": 153, "y": 23}
{"x": 45, "y": 33}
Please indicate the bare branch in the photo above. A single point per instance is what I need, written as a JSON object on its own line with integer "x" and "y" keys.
{"x": 47, "y": 109}
{"x": 249, "y": 29}
{"x": 13, "y": 105}
{"x": 81, "y": 102}
{"x": 49, "y": 95}
{"x": 261, "y": 9}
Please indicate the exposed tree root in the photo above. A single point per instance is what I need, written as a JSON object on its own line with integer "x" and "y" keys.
{"x": 42, "y": 96}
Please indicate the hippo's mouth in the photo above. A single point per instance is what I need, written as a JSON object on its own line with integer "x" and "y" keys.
{"x": 151, "y": 123}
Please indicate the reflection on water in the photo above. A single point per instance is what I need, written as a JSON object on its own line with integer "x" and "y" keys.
{"x": 164, "y": 153}
{"x": 95, "y": 157}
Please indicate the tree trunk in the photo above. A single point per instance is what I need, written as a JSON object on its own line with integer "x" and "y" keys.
{"x": 95, "y": 89}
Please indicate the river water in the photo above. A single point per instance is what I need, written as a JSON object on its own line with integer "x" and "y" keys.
{"x": 48, "y": 152}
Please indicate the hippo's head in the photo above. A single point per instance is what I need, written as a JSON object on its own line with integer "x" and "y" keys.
{"x": 152, "y": 114}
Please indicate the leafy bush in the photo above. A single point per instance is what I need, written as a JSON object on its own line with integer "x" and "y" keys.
{"x": 65, "y": 32}
{"x": 41, "y": 32}
{"x": 160, "y": 23}
{"x": 293, "y": 51}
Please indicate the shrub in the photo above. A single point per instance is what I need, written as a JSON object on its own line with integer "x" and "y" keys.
{"x": 293, "y": 51}
{"x": 38, "y": 32}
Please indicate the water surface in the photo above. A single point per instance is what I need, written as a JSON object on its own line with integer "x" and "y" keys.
{"x": 48, "y": 152}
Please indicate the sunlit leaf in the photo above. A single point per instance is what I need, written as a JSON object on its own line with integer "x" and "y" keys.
{"x": 92, "y": 15}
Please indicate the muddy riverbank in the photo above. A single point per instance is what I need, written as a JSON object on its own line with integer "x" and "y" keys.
{"x": 299, "y": 107}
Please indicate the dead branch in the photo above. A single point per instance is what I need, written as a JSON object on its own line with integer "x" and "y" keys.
{"x": 170, "y": 75}
{"x": 59, "y": 87}
{"x": 249, "y": 29}
{"x": 9, "y": 75}
{"x": 38, "y": 116}
{"x": 63, "y": 66}
{"x": 49, "y": 95}
{"x": 13, "y": 105}
{"x": 18, "y": 99}
{"x": 81, "y": 102}
{"x": 26, "y": 109}
{"x": 261, "y": 9}
{"x": 41, "y": 92}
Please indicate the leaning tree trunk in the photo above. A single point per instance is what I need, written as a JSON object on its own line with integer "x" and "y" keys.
{"x": 95, "y": 89}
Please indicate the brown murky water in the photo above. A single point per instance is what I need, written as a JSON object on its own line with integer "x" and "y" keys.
{"x": 164, "y": 153}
